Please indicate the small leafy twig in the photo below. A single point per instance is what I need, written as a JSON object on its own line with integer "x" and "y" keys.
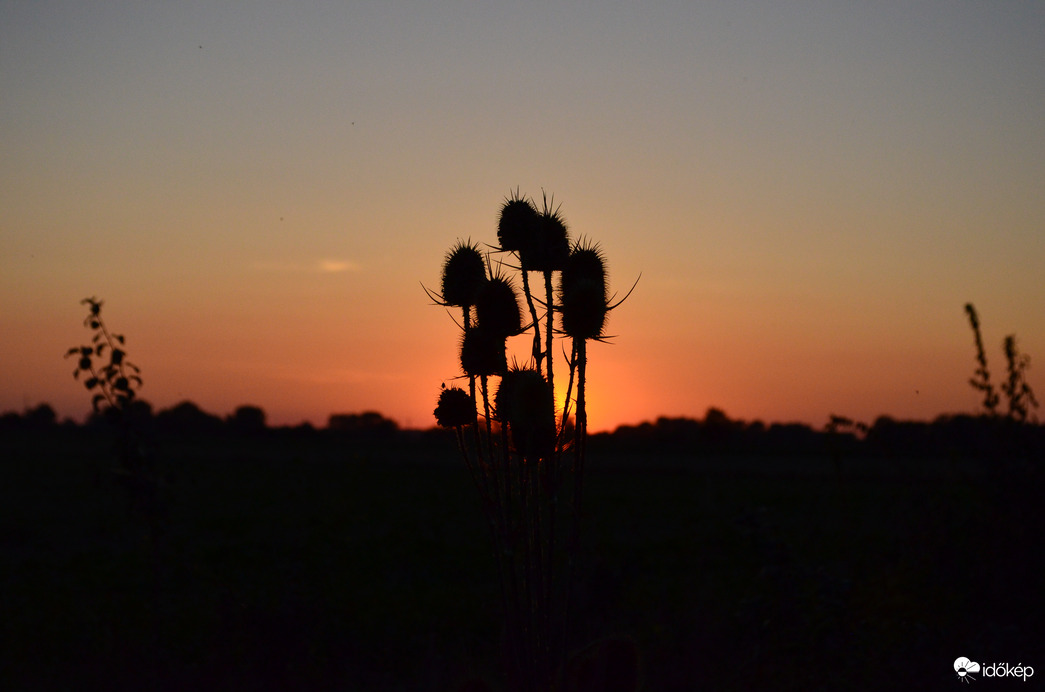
{"x": 116, "y": 382}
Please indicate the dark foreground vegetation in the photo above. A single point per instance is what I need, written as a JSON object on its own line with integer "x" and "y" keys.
{"x": 734, "y": 555}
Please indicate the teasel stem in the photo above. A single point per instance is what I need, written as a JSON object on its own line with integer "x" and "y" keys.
{"x": 499, "y": 520}
{"x": 579, "y": 434}
{"x": 581, "y": 431}
{"x": 533, "y": 568}
{"x": 508, "y": 557}
{"x": 537, "y": 353}
{"x": 555, "y": 482}
{"x": 489, "y": 430}
{"x": 537, "y": 580}
{"x": 481, "y": 462}
{"x": 546, "y": 566}
{"x": 462, "y": 446}
{"x": 545, "y": 466}
{"x": 549, "y": 332}
{"x": 559, "y": 442}
{"x": 520, "y": 573}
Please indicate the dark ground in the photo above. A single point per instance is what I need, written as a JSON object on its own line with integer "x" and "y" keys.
{"x": 309, "y": 563}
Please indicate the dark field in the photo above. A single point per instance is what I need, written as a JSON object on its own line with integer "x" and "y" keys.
{"x": 311, "y": 563}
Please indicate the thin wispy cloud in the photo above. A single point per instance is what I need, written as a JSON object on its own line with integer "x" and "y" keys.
{"x": 321, "y": 266}
{"x": 333, "y": 266}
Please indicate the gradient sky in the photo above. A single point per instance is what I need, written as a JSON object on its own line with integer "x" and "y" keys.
{"x": 810, "y": 190}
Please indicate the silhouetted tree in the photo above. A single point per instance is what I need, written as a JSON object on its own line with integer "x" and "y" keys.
{"x": 247, "y": 420}
{"x": 186, "y": 418}
{"x": 41, "y": 417}
{"x": 903, "y": 438}
{"x": 369, "y": 424}
{"x": 793, "y": 438}
{"x": 10, "y": 420}
{"x": 961, "y": 435}
{"x": 138, "y": 412}
{"x": 717, "y": 430}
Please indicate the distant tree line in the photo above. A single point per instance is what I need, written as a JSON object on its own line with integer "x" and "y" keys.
{"x": 956, "y": 435}
{"x": 188, "y": 419}
{"x": 716, "y": 433}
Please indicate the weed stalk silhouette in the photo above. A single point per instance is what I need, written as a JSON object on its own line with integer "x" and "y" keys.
{"x": 114, "y": 382}
{"x": 524, "y": 456}
{"x": 981, "y": 381}
{"x": 1016, "y": 388}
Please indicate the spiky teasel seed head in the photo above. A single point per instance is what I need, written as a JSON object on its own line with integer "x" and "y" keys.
{"x": 455, "y": 408}
{"x": 583, "y": 293}
{"x": 586, "y": 261}
{"x": 518, "y": 221}
{"x": 483, "y": 352}
{"x": 584, "y": 311}
{"x": 524, "y": 401}
{"x": 547, "y": 249}
{"x": 464, "y": 272}
{"x": 497, "y": 307}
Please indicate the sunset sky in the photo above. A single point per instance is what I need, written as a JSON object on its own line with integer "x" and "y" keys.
{"x": 811, "y": 192}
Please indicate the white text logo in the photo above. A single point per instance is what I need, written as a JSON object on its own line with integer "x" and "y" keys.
{"x": 965, "y": 669}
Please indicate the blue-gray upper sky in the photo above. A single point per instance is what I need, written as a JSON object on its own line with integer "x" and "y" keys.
{"x": 811, "y": 191}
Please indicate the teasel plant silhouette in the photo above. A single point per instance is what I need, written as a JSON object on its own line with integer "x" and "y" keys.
{"x": 525, "y": 457}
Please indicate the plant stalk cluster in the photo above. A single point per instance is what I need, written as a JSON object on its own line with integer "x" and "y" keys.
{"x": 526, "y": 457}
